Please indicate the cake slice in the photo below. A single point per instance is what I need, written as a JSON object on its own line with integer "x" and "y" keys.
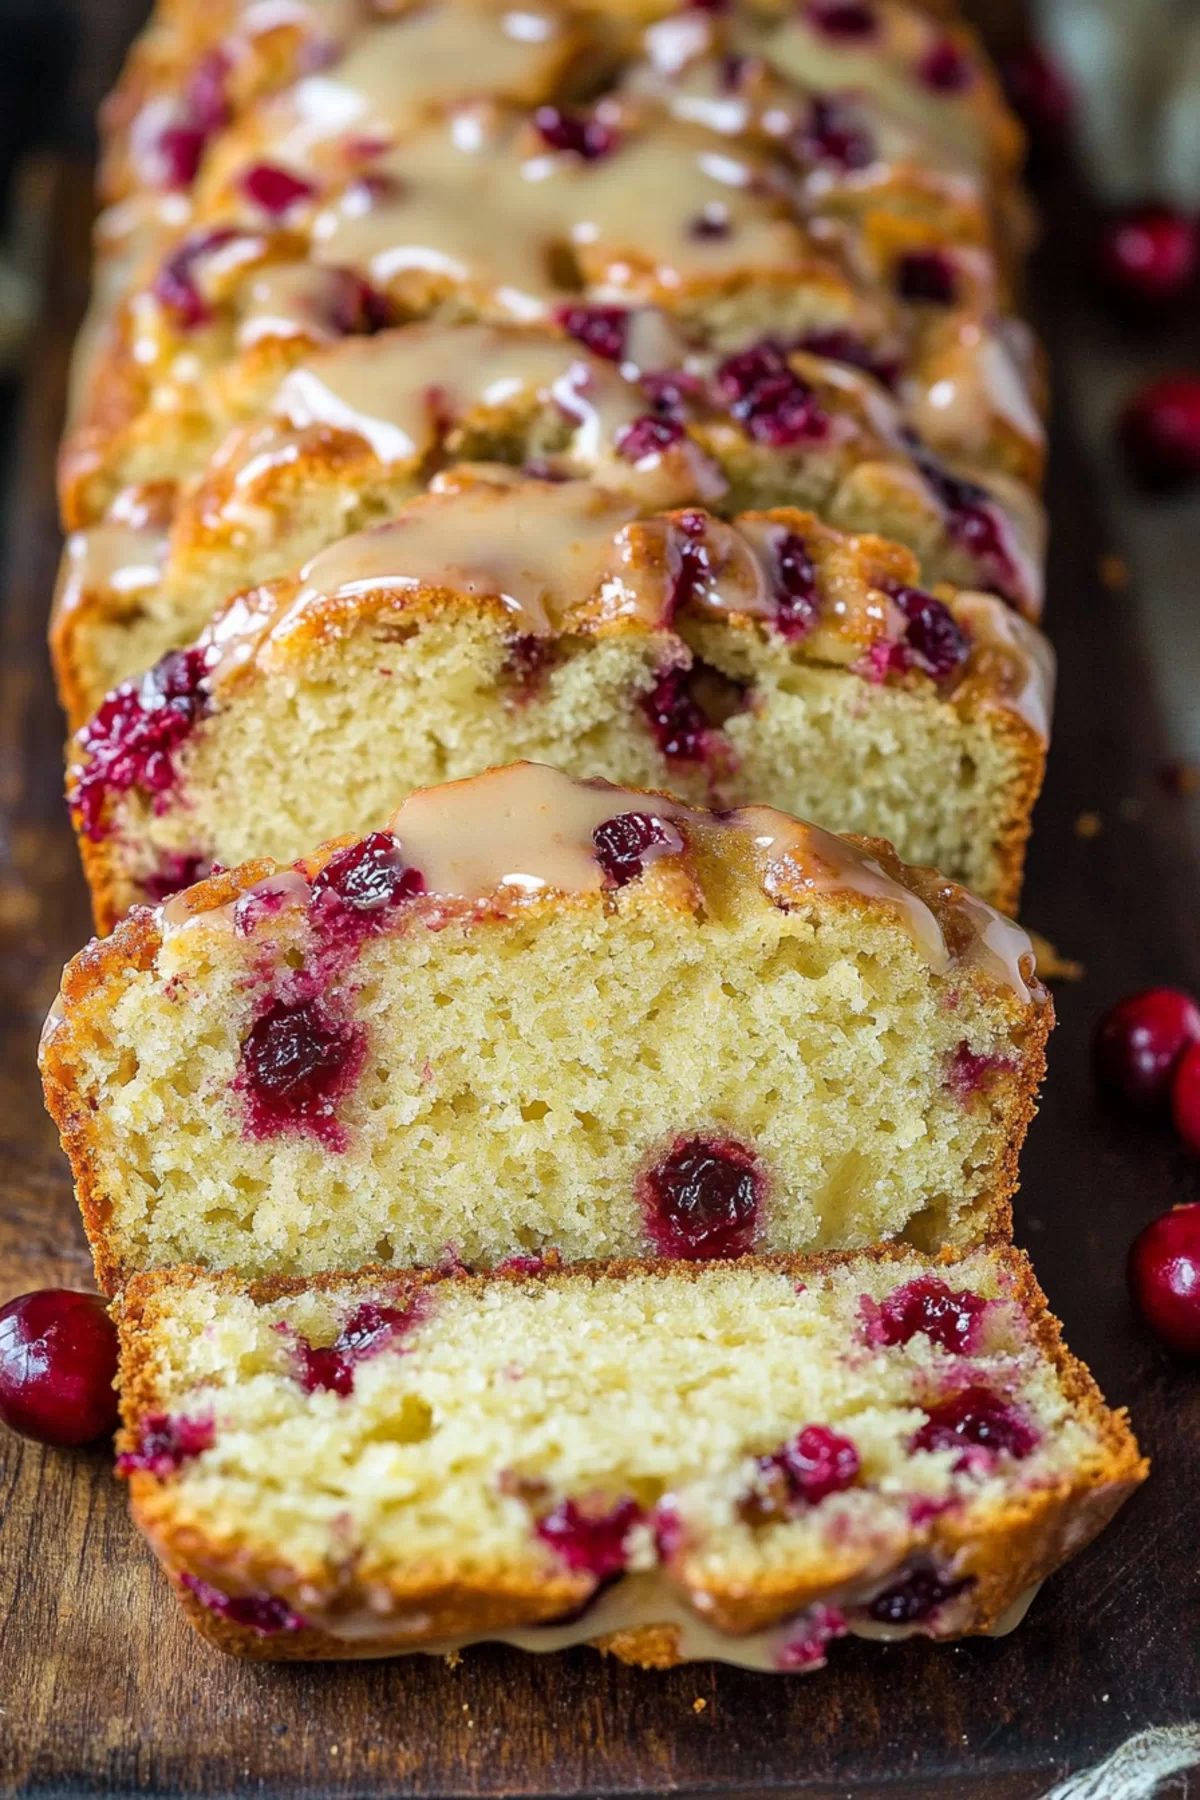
{"x": 537, "y": 1013}
{"x": 357, "y": 428}
{"x": 739, "y": 1461}
{"x": 769, "y": 659}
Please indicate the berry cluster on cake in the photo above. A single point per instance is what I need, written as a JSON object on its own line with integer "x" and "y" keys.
{"x": 525, "y": 463}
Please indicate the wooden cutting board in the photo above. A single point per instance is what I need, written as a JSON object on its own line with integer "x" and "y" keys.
{"x": 103, "y": 1689}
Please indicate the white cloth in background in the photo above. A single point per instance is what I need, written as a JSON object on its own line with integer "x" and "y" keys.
{"x": 1138, "y": 1769}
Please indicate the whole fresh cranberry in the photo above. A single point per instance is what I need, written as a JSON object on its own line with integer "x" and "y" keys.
{"x": 1160, "y": 428}
{"x": 1164, "y": 1278}
{"x": 1185, "y": 1098}
{"x": 58, "y": 1362}
{"x": 1149, "y": 253}
{"x": 702, "y": 1200}
{"x": 1140, "y": 1042}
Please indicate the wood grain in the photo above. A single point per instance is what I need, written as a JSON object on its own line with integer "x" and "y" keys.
{"x": 104, "y": 1690}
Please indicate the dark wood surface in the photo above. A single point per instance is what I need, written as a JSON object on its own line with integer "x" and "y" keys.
{"x": 104, "y": 1690}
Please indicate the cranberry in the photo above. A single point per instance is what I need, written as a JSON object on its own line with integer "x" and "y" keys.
{"x": 926, "y": 275}
{"x": 355, "y": 308}
{"x": 946, "y": 67}
{"x": 679, "y": 726}
{"x": 1149, "y": 253}
{"x": 765, "y": 393}
{"x": 1039, "y": 93}
{"x": 1164, "y": 1278}
{"x": 370, "y": 1329}
{"x": 179, "y": 149}
{"x": 713, "y": 223}
{"x": 600, "y": 329}
{"x": 915, "y": 1598}
{"x": 262, "y": 1613}
{"x": 933, "y": 641}
{"x": 589, "y": 138}
{"x": 797, "y": 604}
{"x": 947, "y": 1316}
{"x": 815, "y": 1463}
{"x": 1140, "y": 1042}
{"x": 175, "y": 284}
{"x": 295, "y": 1063}
{"x": 817, "y": 1628}
{"x": 132, "y": 739}
{"x": 648, "y": 435}
{"x": 969, "y": 1073}
{"x": 526, "y": 661}
{"x": 622, "y": 844}
{"x": 1161, "y": 430}
{"x": 588, "y": 1538}
{"x": 854, "y": 21}
{"x": 58, "y": 1362}
{"x": 177, "y": 869}
{"x": 702, "y": 1200}
{"x": 831, "y": 134}
{"x": 671, "y": 392}
{"x": 367, "y": 877}
{"x": 274, "y": 190}
{"x": 165, "y": 1443}
{"x": 978, "y": 1418}
{"x": 972, "y": 520}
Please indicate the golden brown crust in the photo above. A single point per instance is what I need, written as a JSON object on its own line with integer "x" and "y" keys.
{"x": 1017, "y": 1544}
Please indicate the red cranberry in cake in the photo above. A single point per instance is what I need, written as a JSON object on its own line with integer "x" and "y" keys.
{"x": 813, "y": 1633}
{"x": 625, "y": 845}
{"x": 131, "y": 740}
{"x": 1185, "y": 1099}
{"x": 969, "y": 1073}
{"x": 916, "y": 1598}
{"x": 1149, "y": 254}
{"x": 261, "y": 1613}
{"x": 765, "y": 393}
{"x": 355, "y": 308}
{"x": 273, "y": 190}
{"x": 366, "y": 878}
{"x": 926, "y": 275}
{"x": 975, "y": 1419}
{"x": 796, "y": 603}
{"x": 947, "y": 1316}
{"x": 686, "y": 707}
{"x": 1039, "y": 92}
{"x": 711, "y": 223}
{"x": 672, "y": 393}
{"x": 177, "y": 869}
{"x": 370, "y": 1329}
{"x": 296, "y": 1063}
{"x": 576, "y": 133}
{"x": 175, "y": 284}
{"x": 1161, "y": 430}
{"x": 1140, "y": 1043}
{"x": 946, "y": 67}
{"x": 831, "y": 134}
{"x": 648, "y": 436}
{"x": 179, "y": 149}
{"x": 600, "y": 329}
{"x": 702, "y": 1199}
{"x": 165, "y": 1443}
{"x": 847, "y": 347}
{"x": 205, "y": 96}
{"x": 1164, "y": 1278}
{"x": 815, "y": 1463}
{"x": 591, "y": 1538}
{"x": 526, "y": 661}
{"x": 58, "y": 1363}
{"x": 853, "y": 21}
{"x": 933, "y": 642}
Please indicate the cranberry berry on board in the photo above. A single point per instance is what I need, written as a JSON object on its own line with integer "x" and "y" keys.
{"x": 1185, "y": 1098}
{"x": 1160, "y": 429}
{"x": 1164, "y": 1278}
{"x": 1139, "y": 1044}
{"x": 58, "y": 1363}
{"x": 1149, "y": 254}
